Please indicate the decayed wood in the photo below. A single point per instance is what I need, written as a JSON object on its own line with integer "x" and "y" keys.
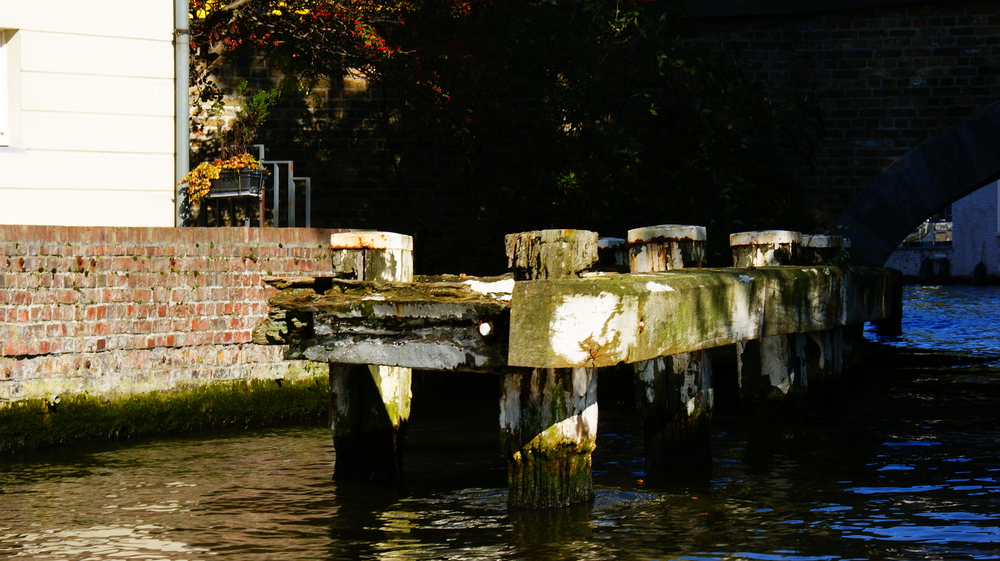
{"x": 548, "y": 417}
{"x": 550, "y": 254}
{"x": 666, "y": 247}
{"x": 595, "y": 321}
{"x": 439, "y": 323}
{"x": 370, "y": 405}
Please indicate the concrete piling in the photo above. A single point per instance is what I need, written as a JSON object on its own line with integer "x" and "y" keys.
{"x": 370, "y": 404}
{"x": 674, "y": 395}
{"x": 771, "y": 376}
{"x": 548, "y": 416}
{"x": 823, "y": 354}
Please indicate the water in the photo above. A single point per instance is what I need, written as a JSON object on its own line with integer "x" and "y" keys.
{"x": 908, "y": 469}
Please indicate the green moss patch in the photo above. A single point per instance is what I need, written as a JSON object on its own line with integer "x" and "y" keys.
{"x": 38, "y": 423}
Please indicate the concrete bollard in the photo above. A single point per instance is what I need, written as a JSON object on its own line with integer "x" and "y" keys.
{"x": 818, "y": 249}
{"x": 548, "y": 416}
{"x": 674, "y": 394}
{"x": 771, "y": 378}
{"x": 765, "y": 247}
{"x": 370, "y": 405}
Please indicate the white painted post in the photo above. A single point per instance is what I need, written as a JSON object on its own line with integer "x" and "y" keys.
{"x": 370, "y": 405}
{"x": 674, "y": 393}
{"x": 548, "y": 416}
{"x": 770, "y": 368}
{"x": 765, "y": 247}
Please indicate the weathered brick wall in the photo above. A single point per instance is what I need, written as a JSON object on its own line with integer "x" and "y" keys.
{"x": 885, "y": 79}
{"x": 129, "y": 310}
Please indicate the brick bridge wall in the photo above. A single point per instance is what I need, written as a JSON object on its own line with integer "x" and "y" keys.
{"x": 885, "y": 78}
{"x": 120, "y": 311}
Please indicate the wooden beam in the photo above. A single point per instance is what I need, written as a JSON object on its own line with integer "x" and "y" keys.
{"x": 436, "y": 323}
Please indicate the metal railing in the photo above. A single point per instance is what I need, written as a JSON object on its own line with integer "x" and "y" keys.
{"x": 288, "y": 180}
{"x": 930, "y": 233}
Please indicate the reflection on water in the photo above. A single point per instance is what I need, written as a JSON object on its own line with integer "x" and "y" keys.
{"x": 910, "y": 470}
{"x": 101, "y": 542}
{"x": 955, "y": 318}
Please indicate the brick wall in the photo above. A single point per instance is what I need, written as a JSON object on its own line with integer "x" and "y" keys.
{"x": 128, "y": 310}
{"x": 885, "y": 79}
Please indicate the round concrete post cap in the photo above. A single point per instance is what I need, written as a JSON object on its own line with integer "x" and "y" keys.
{"x": 371, "y": 240}
{"x": 667, "y": 232}
{"x": 765, "y": 237}
{"x": 822, "y": 240}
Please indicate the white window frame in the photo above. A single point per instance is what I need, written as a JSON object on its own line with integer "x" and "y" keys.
{"x": 4, "y": 90}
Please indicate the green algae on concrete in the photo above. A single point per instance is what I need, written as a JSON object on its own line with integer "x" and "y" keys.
{"x": 437, "y": 324}
{"x": 550, "y": 477}
{"x": 548, "y": 420}
{"x": 36, "y": 423}
{"x": 604, "y": 320}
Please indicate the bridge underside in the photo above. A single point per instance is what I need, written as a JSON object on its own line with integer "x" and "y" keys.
{"x": 935, "y": 174}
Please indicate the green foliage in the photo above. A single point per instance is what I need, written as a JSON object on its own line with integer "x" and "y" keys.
{"x": 38, "y": 422}
{"x": 254, "y": 110}
{"x": 613, "y": 115}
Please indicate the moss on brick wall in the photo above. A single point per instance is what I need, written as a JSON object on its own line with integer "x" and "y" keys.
{"x": 36, "y": 423}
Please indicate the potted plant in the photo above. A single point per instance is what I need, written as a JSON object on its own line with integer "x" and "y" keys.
{"x": 237, "y": 172}
{"x": 241, "y": 174}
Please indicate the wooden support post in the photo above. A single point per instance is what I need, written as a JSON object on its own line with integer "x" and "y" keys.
{"x": 823, "y": 354}
{"x": 893, "y": 325}
{"x": 673, "y": 393}
{"x": 548, "y": 416}
{"x": 819, "y": 249}
{"x": 770, "y": 371}
{"x": 548, "y": 419}
{"x": 370, "y": 405}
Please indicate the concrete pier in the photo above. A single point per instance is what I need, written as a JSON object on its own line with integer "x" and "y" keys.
{"x": 370, "y": 404}
{"x": 548, "y": 416}
{"x": 674, "y": 394}
{"x": 771, "y": 376}
{"x": 547, "y": 328}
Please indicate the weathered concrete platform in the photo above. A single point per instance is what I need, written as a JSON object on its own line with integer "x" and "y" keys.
{"x": 548, "y": 327}
{"x": 487, "y": 325}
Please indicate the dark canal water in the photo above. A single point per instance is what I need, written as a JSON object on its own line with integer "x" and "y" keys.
{"x": 908, "y": 469}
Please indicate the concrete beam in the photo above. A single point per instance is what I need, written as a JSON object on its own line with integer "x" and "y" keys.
{"x": 598, "y": 320}
{"x": 604, "y": 320}
{"x": 434, "y": 324}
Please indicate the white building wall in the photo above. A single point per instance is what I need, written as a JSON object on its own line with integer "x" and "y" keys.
{"x": 975, "y": 237}
{"x": 908, "y": 259}
{"x": 975, "y": 232}
{"x": 90, "y": 113}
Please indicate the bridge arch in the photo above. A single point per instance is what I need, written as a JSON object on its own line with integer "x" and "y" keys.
{"x": 933, "y": 175}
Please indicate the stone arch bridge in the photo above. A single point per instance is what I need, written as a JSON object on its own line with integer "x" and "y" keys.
{"x": 905, "y": 90}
